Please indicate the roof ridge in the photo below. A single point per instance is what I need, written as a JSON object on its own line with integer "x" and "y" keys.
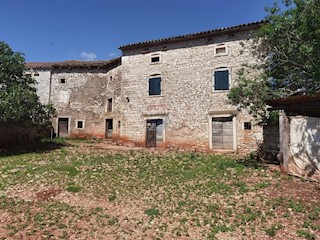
{"x": 184, "y": 36}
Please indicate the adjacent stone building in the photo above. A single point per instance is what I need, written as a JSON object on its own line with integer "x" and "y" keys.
{"x": 86, "y": 96}
{"x": 170, "y": 92}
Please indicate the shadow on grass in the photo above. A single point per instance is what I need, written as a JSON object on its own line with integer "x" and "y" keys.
{"x": 44, "y": 145}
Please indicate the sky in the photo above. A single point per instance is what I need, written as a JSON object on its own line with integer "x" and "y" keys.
{"x": 59, "y": 30}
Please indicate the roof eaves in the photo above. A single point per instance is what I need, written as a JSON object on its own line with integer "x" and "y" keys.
{"x": 252, "y": 25}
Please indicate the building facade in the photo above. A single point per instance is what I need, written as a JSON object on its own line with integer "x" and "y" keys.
{"x": 170, "y": 92}
{"x": 86, "y": 96}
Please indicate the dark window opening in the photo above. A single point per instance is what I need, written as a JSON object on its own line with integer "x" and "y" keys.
{"x": 247, "y": 125}
{"x": 36, "y": 74}
{"x": 62, "y": 80}
{"x": 80, "y": 124}
{"x": 155, "y": 59}
{"x": 119, "y": 124}
{"x": 110, "y": 77}
{"x": 155, "y": 86}
{"x": 109, "y": 107}
{"x": 221, "y": 80}
{"x": 221, "y": 50}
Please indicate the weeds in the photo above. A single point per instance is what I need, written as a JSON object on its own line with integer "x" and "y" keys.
{"x": 178, "y": 193}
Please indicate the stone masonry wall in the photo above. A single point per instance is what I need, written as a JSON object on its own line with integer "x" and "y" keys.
{"x": 187, "y": 102}
{"x": 84, "y": 96}
{"x": 43, "y": 83}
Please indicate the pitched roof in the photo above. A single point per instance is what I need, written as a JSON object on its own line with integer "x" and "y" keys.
{"x": 248, "y": 26}
{"x": 301, "y": 105}
{"x": 75, "y": 64}
{"x": 39, "y": 64}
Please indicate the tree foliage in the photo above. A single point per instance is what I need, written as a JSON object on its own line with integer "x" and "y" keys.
{"x": 287, "y": 49}
{"x": 18, "y": 98}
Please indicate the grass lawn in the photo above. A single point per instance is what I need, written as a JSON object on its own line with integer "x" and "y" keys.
{"x": 79, "y": 190}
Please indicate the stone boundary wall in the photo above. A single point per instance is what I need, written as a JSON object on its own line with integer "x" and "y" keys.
{"x": 12, "y": 134}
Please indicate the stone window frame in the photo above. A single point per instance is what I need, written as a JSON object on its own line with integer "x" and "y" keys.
{"x": 223, "y": 68}
{"x": 109, "y": 106}
{"x": 83, "y": 124}
{"x": 156, "y": 75}
{"x": 218, "y": 46}
{"x": 247, "y": 126}
{"x": 154, "y": 55}
{"x": 223, "y": 114}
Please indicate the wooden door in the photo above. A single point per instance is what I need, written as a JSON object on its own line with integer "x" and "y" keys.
{"x": 151, "y": 138}
{"x": 63, "y": 127}
{"x": 222, "y": 133}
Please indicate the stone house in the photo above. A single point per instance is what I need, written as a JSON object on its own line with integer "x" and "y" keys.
{"x": 86, "y": 96}
{"x": 177, "y": 91}
{"x": 170, "y": 92}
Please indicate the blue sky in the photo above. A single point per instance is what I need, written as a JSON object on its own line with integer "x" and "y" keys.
{"x": 59, "y": 30}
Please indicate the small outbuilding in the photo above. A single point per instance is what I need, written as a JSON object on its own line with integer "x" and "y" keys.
{"x": 299, "y": 127}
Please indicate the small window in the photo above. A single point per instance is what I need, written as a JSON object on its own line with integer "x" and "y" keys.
{"x": 220, "y": 50}
{"x": 221, "y": 80}
{"x": 119, "y": 124}
{"x": 36, "y": 74}
{"x": 80, "y": 124}
{"x": 155, "y": 59}
{"x": 110, "y": 78}
{"x": 109, "y": 107}
{"x": 154, "y": 86}
{"x": 62, "y": 80}
{"x": 247, "y": 126}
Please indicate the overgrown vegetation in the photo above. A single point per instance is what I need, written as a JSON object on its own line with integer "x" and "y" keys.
{"x": 81, "y": 191}
{"x": 287, "y": 50}
{"x": 18, "y": 98}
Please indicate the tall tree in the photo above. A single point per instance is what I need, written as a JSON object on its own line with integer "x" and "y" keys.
{"x": 287, "y": 49}
{"x": 18, "y": 98}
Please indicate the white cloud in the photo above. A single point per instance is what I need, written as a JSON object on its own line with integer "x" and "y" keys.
{"x": 112, "y": 54}
{"x": 88, "y": 56}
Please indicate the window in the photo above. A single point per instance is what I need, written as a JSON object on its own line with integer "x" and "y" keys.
{"x": 220, "y": 50}
{"x": 36, "y": 74}
{"x": 155, "y": 58}
{"x": 62, "y": 80}
{"x": 109, "y": 107}
{"x": 80, "y": 124}
{"x": 119, "y": 124}
{"x": 247, "y": 126}
{"x": 221, "y": 79}
{"x": 154, "y": 86}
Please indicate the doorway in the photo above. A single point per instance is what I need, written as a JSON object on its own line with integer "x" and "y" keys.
{"x": 109, "y": 128}
{"x": 154, "y": 132}
{"x": 222, "y": 133}
{"x": 63, "y": 127}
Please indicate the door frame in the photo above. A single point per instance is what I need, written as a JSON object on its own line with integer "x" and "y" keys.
{"x": 69, "y": 124}
{"x": 106, "y": 128}
{"x": 234, "y": 123}
{"x": 146, "y": 118}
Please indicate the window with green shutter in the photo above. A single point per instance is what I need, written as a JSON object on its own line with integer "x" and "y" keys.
{"x": 221, "y": 80}
{"x": 155, "y": 86}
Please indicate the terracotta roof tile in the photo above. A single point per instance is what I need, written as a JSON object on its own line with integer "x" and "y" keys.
{"x": 74, "y": 64}
{"x": 180, "y": 38}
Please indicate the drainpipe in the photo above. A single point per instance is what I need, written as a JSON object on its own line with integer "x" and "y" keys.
{"x": 49, "y": 99}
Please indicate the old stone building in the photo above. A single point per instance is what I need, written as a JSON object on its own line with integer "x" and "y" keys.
{"x": 86, "y": 96}
{"x": 169, "y": 92}
{"x": 177, "y": 91}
